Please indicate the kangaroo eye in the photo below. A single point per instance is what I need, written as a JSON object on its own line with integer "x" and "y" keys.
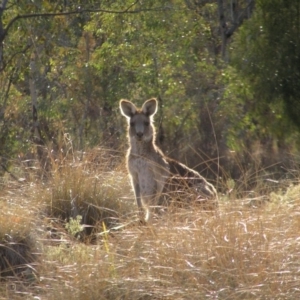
{"x": 131, "y": 124}
{"x": 146, "y": 123}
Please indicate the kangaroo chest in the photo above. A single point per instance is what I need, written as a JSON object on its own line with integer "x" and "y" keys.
{"x": 148, "y": 166}
{"x": 138, "y": 164}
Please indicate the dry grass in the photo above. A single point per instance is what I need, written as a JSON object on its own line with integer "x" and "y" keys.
{"x": 78, "y": 189}
{"x": 240, "y": 252}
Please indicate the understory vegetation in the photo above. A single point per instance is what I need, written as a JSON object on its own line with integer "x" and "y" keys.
{"x": 76, "y": 235}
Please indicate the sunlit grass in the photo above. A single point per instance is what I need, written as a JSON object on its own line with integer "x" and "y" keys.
{"x": 241, "y": 251}
{"x": 19, "y": 249}
{"x": 89, "y": 188}
{"x": 239, "y": 254}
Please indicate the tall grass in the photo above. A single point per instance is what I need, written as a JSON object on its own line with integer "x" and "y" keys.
{"x": 241, "y": 252}
{"x": 96, "y": 194}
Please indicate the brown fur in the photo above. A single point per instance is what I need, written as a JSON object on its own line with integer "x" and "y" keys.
{"x": 156, "y": 178}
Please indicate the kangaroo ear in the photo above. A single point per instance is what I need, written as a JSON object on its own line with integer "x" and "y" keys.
{"x": 128, "y": 109}
{"x": 149, "y": 108}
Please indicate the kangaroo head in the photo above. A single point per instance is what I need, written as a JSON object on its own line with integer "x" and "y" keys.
{"x": 139, "y": 119}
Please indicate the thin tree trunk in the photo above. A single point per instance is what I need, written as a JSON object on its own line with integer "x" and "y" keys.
{"x": 237, "y": 20}
{"x": 37, "y": 138}
{"x": 88, "y": 94}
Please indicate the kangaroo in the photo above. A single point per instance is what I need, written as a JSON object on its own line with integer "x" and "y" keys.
{"x": 154, "y": 176}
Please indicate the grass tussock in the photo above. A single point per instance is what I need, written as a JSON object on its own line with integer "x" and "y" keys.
{"x": 18, "y": 245}
{"x": 241, "y": 251}
{"x": 89, "y": 191}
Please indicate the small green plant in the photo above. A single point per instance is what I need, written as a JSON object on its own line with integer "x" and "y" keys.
{"x": 74, "y": 226}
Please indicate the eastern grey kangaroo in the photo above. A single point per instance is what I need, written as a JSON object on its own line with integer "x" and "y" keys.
{"x": 155, "y": 176}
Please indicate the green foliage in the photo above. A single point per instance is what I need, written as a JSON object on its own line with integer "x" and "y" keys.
{"x": 74, "y": 226}
{"x": 265, "y": 80}
{"x": 85, "y": 63}
{"x": 82, "y": 64}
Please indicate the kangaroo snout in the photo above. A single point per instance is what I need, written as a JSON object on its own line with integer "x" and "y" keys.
{"x": 139, "y": 134}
